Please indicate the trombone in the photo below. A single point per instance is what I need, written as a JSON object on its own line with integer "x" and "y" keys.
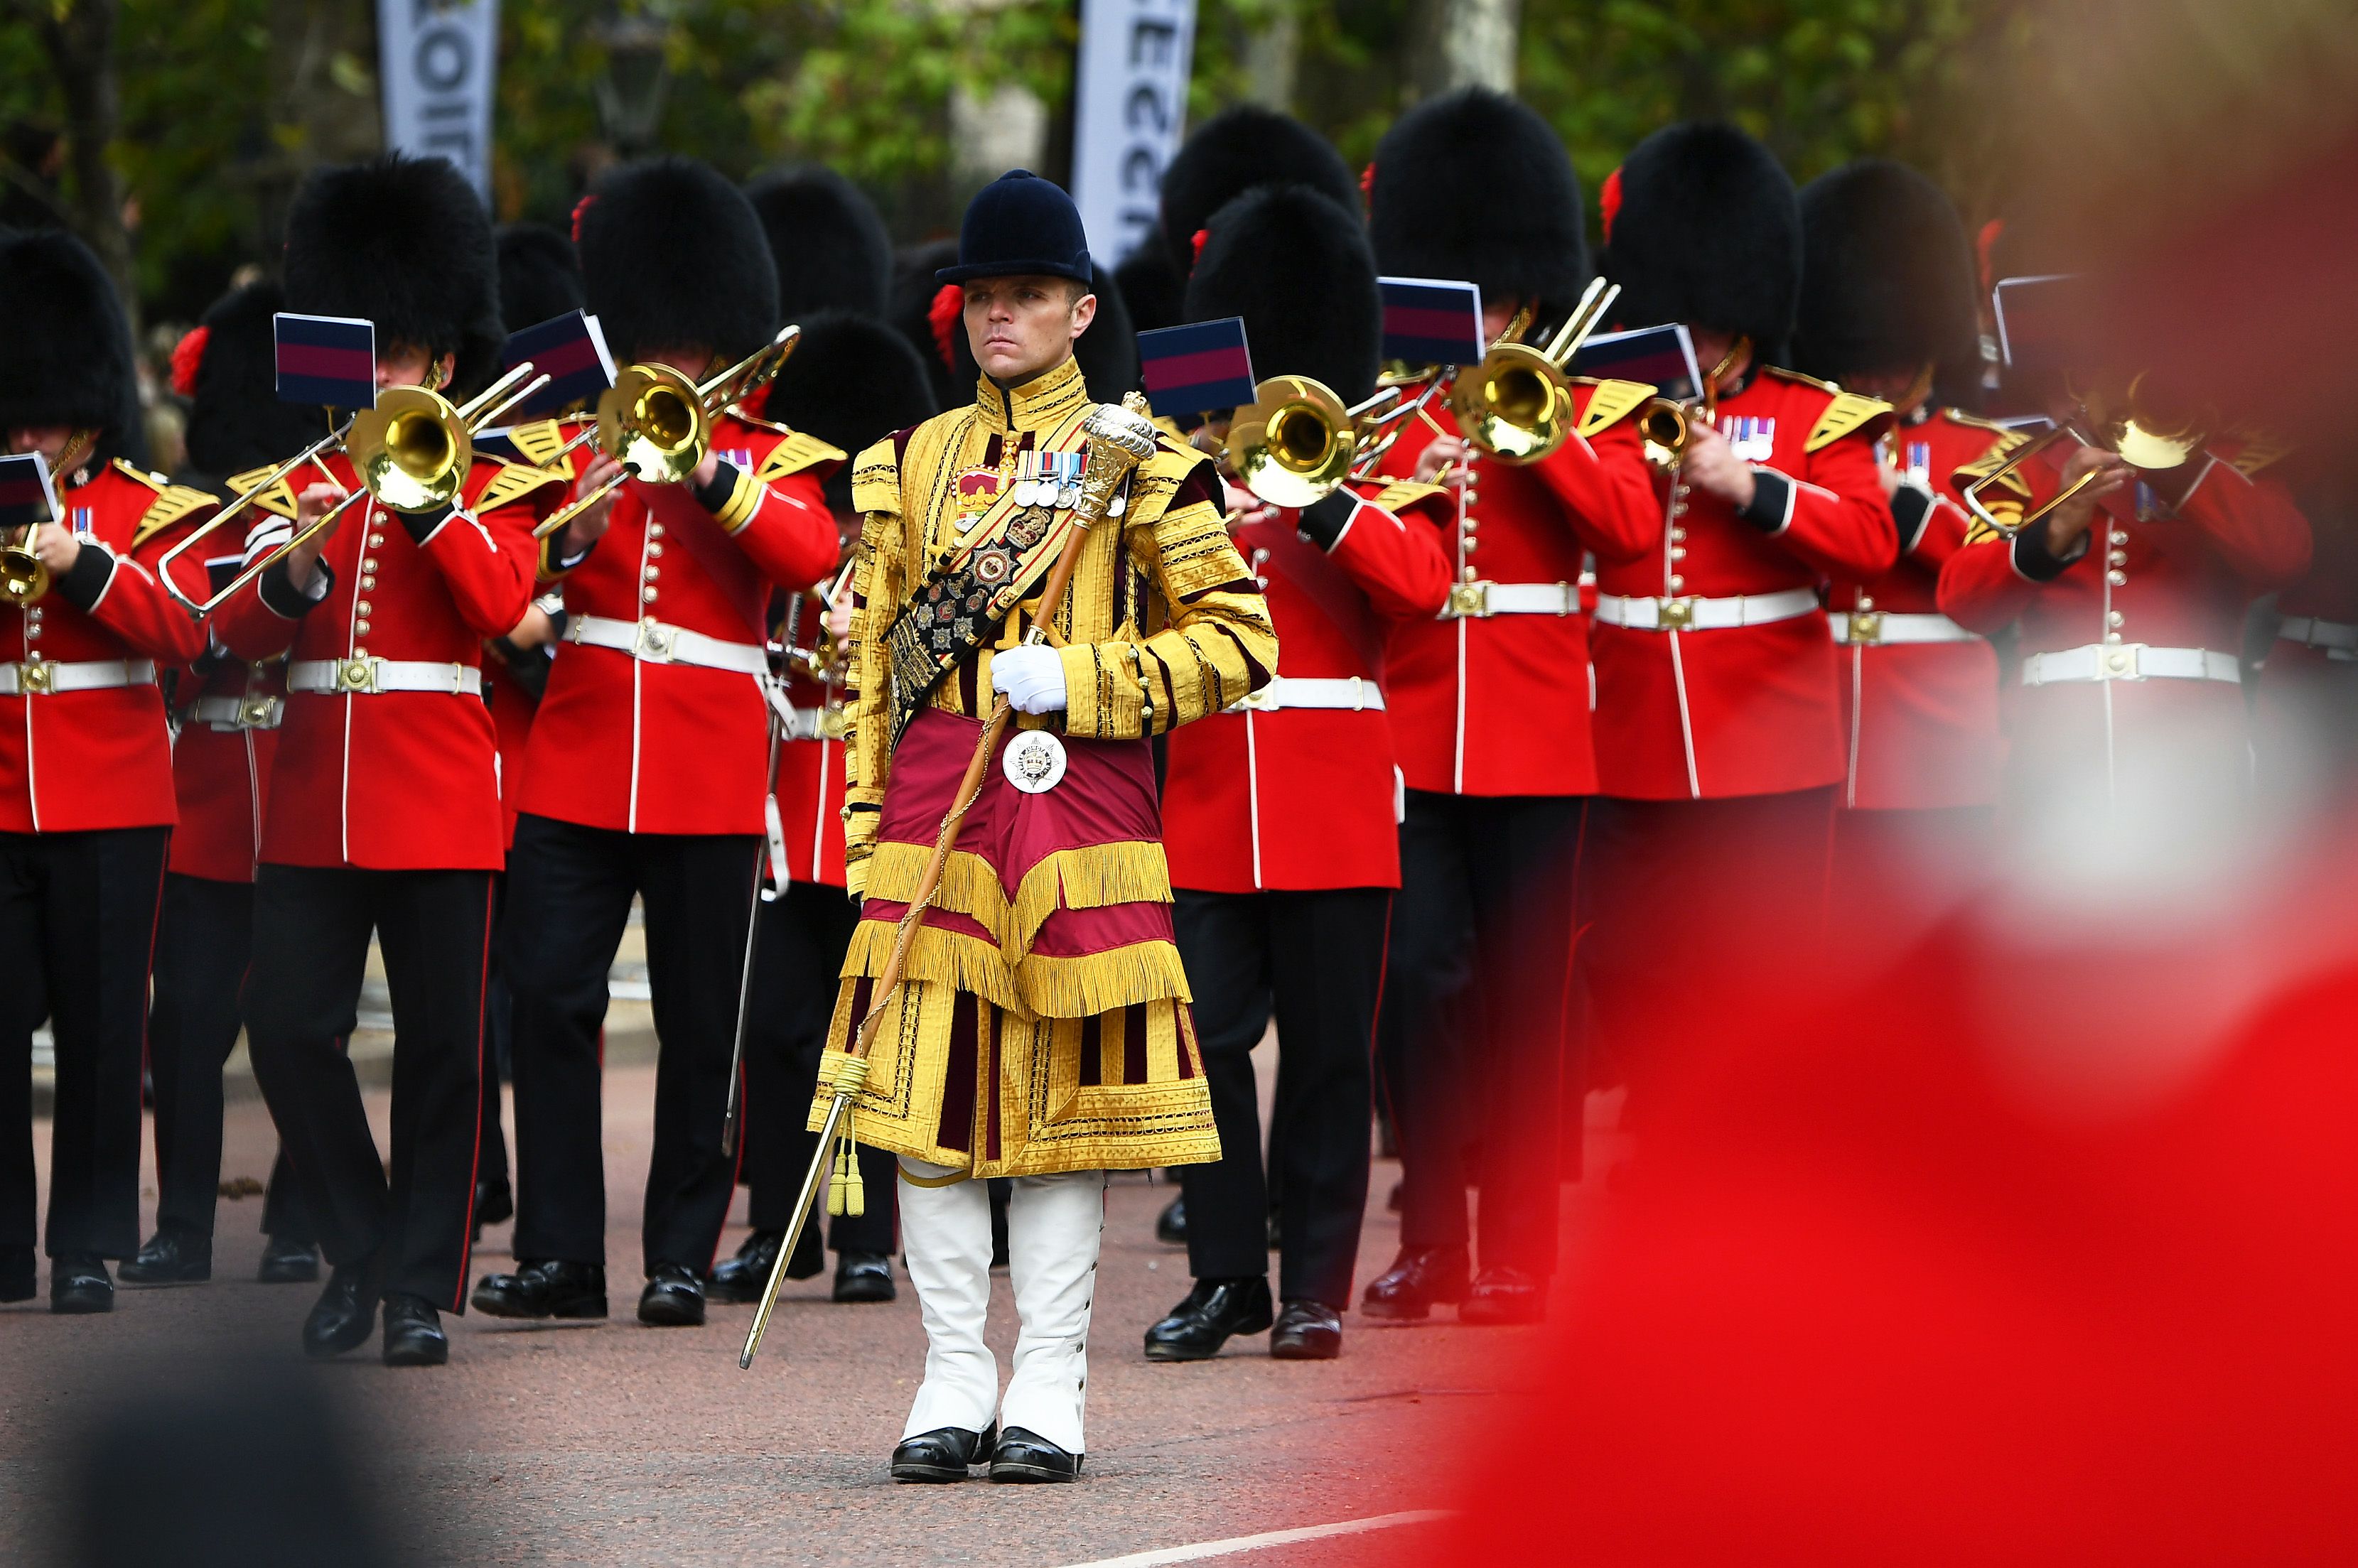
{"x": 24, "y": 578}
{"x": 411, "y": 453}
{"x": 1665, "y": 425}
{"x": 2141, "y": 427}
{"x": 658, "y": 424}
{"x": 1296, "y": 442}
{"x": 1517, "y": 404}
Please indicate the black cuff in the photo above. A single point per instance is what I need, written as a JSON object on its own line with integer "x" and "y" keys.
{"x": 1771, "y": 495}
{"x": 1321, "y": 522}
{"x": 283, "y": 598}
{"x": 82, "y": 586}
{"x": 714, "y": 496}
{"x": 2034, "y": 561}
{"x": 420, "y": 525}
{"x": 1911, "y": 509}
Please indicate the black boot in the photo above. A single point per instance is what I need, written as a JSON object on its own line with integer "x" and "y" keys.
{"x": 172, "y": 1257}
{"x": 287, "y": 1261}
{"x": 1419, "y": 1277}
{"x": 340, "y": 1319}
{"x": 674, "y": 1297}
{"x": 1501, "y": 1294}
{"x": 1213, "y": 1312}
{"x": 78, "y": 1283}
{"x": 944, "y": 1454}
{"x": 1306, "y": 1331}
{"x": 413, "y": 1333}
{"x": 1025, "y": 1455}
{"x": 543, "y": 1287}
{"x": 744, "y": 1277}
{"x": 864, "y": 1277}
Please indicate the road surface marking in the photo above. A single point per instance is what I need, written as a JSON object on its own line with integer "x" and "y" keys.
{"x": 1202, "y": 1550}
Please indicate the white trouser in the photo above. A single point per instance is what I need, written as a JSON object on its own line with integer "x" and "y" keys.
{"x": 1053, "y": 1227}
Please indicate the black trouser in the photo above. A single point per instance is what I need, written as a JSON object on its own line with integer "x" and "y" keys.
{"x": 797, "y": 957}
{"x": 1316, "y": 959}
{"x": 1475, "y": 1032}
{"x": 311, "y": 928}
{"x": 570, "y": 892}
{"x": 203, "y": 943}
{"x": 78, "y": 931}
{"x": 499, "y": 1037}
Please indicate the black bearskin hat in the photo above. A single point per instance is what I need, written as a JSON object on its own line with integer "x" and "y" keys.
{"x": 673, "y": 258}
{"x": 65, "y": 346}
{"x": 1231, "y": 153}
{"x": 927, "y": 314}
{"x": 851, "y": 380}
{"x": 1887, "y": 276}
{"x": 827, "y": 241}
{"x": 1300, "y": 272}
{"x": 540, "y": 278}
{"x": 404, "y": 243}
{"x": 1473, "y": 185}
{"x": 1701, "y": 226}
{"x": 1154, "y": 291}
{"x": 236, "y": 420}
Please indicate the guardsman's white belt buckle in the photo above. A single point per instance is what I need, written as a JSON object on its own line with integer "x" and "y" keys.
{"x": 356, "y": 675}
{"x": 1033, "y": 762}
{"x": 1674, "y": 614}
{"x": 259, "y": 712}
{"x": 2118, "y": 661}
{"x": 1867, "y": 625}
{"x": 1468, "y": 600}
{"x": 653, "y": 641}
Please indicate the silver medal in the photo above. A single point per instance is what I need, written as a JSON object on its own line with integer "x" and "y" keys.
{"x": 1033, "y": 762}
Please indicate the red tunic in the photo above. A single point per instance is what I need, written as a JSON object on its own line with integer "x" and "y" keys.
{"x": 2175, "y": 579}
{"x": 1498, "y": 705}
{"x": 810, "y": 762}
{"x": 1919, "y": 720}
{"x": 641, "y": 746}
{"x": 80, "y": 760}
{"x": 220, "y": 765}
{"x": 1749, "y": 710}
{"x": 1301, "y": 797}
{"x": 397, "y": 780}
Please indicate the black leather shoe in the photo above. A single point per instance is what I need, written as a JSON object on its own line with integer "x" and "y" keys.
{"x": 285, "y": 1261}
{"x": 543, "y": 1287}
{"x": 1213, "y": 1312}
{"x": 340, "y": 1319}
{"x": 1503, "y": 1295}
{"x": 1306, "y": 1331}
{"x": 944, "y": 1454}
{"x": 744, "y": 1277}
{"x": 674, "y": 1297}
{"x": 494, "y": 1204}
{"x": 172, "y": 1257}
{"x": 864, "y": 1277}
{"x": 19, "y": 1274}
{"x": 1419, "y": 1277}
{"x": 1025, "y": 1455}
{"x": 1170, "y": 1225}
{"x": 413, "y": 1333}
{"x": 78, "y": 1283}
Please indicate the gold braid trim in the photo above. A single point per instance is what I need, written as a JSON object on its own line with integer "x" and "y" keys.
{"x": 1099, "y": 982}
{"x": 1091, "y": 876}
{"x": 744, "y": 499}
{"x": 952, "y": 959}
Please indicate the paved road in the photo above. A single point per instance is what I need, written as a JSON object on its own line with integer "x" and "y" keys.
{"x": 619, "y": 1444}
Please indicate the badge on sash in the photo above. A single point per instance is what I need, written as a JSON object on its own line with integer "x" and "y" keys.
{"x": 1751, "y": 436}
{"x": 1033, "y": 762}
{"x": 1920, "y": 461}
{"x": 977, "y": 488}
{"x": 84, "y": 519}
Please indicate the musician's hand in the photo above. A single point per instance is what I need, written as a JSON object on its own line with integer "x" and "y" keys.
{"x": 316, "y": 502}
{"x": 534, "y": 630}
{"x": 2075, "y": 516}
{"x": 57, "y": 549}
{"x": 1443, "y": 462}
{"x": 590, "y": 524}
{"x": 705, "y": 470}
{"x": 1712, "y": 466}
{"x": 838, "y": 616}
{"x": 1032, "y": 677}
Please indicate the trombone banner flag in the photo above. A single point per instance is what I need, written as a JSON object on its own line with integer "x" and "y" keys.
{"x": 1427, "y": 321}
{"x": 571, "y": 351}
{"x": 1662, "y": 357}
{"x": 1200, "y": 366}
{"x": 325, "y": 358}
{"x": 26, "y": 495}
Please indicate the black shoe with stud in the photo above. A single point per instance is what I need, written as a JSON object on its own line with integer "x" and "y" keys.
{"x": 1023, "y": 1455}
{"x": 287, "y": 1261}
{"x": 78, "y": 1284}
{"x": 341, "y": 1318}
{"x": 1501, "y": 1295}
{"x": 1419, "y": 1277}
{"x": 944, "y": 1454}
{"x": 543, "y": 1287}
{"x": 413, "y": 1333}
{"x": 172, "y": 1257}
{"x": 674, "y": 1297}
{"x": 864, "y": 1277}
{"x": 744, "y": 1277}
{"x": 1306, "y": 1331}
{"x": 1214, "y": 1311}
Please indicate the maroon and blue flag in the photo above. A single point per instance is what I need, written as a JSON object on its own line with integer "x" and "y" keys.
{"x": 571, "y": 351}
{"x": 1429, "y": 321}
{"x": 26, "y": 495}
{"x": 327, "y": 359}
{"x": 1200, "y": 367}
{"x": 1662, "y": 357}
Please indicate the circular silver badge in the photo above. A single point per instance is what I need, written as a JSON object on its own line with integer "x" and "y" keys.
{"x": 1033, "y": 762}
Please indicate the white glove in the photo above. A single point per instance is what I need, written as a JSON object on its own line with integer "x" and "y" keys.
{"x": 1032, "y": 678}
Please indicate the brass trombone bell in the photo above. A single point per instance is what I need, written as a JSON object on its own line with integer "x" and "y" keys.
{"x": 2141, "y": 426}
{"x": 1292, "y": 444}
{"x": 1663, "y": 427}
{"x": 653, "y": 422}
{"x": 1515, "y": 405}
{"x": 23, "y": 578}
{"x": 412, "y": 450}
